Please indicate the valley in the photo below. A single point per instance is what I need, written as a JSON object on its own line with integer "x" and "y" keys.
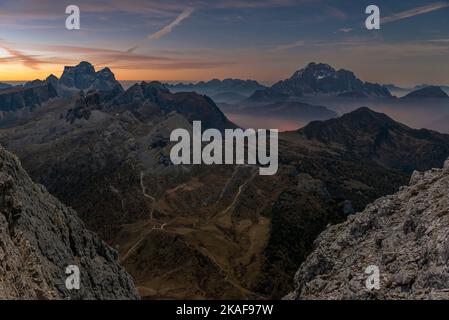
{"x": 206, "y": 231}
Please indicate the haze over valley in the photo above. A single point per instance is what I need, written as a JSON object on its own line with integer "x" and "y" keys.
{"x": 93, "y": 180}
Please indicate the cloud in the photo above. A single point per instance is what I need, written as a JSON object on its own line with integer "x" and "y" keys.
{"x": 288, "y": 46}
{"x": 439, "y": 40}
{"x": 415, "y": 12}
{"x": 165, "y": 30}
{"x": 27, "y": 60}
{"x": 346, "y": 30}
{"x": 335, "y": 13}
{"x": 169, "y": 28}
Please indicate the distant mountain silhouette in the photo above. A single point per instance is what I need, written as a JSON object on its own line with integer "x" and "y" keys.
{"x": 427, "y": 92}
{"x": 421, "y": 86}
{"x": 321, "y": 79}
{"x": 227, "y": 90}
{"x": 4, "y": 86}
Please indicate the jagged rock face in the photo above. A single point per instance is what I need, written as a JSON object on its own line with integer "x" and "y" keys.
{"x": 319, "y": 78}
{"x": 80, "y": 78}
{"x": 427, "y": 92}
{"x": 17, "y": 98}
{"x": 155, "y": 96}
{"x": 405, "y": 235}
{"x": 40, "y": 237}
{"x": 83, "y": 107}
{"x": 322, "y": 79}
{"x": 84, "y": 77}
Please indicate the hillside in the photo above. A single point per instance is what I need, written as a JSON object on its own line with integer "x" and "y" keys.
{"x": 40, "y": 237}
{"x": 405, "y": 235}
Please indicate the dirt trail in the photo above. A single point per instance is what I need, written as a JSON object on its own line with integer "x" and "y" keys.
{"x": 153, "y": 200}
{"x": 228, "y": 182}
{"x": 239, "y": 192}
{"x": 141, "y": 239}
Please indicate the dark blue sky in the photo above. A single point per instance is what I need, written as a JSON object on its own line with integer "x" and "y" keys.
{"x": 192, "y": 40}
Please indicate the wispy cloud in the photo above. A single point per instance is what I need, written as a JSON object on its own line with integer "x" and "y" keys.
{"x": 288, "y": 46}
{"x": 335, "y": 13}
{"x": 27, "y": 60}
{"x": 346, "y": 30}
{"x": 439, "y": 40}
{"x": 100, "y": 57}
{"x": 415, "y": 12}
{"x": 165, "y": 30}
{"x": 169, "y": 28}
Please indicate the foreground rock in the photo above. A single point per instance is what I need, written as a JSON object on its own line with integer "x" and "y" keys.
{"x": 40, "y": 237}
{"x": 405, "y": 235}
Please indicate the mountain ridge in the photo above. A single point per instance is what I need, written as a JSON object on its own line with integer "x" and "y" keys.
{"x": 322, "y": 79}
{"x": 427, "y": 92}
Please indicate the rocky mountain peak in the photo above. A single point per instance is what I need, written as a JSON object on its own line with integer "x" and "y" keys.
{"x": 83, "y": 67}
{"x": 84, "y": 77}
{"x": 316, "y": 70}
{"x": 40, "y": 237}
{"x": 405, "y": 235}
{"x": 322, "y": 79}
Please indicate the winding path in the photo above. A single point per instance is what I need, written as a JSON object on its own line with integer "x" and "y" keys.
{"x": 153, "y": 200}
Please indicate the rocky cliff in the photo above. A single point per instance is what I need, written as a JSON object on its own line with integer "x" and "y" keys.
{"x": 84, "y": 77}
{"x": 40, "y": 238}
{"x": 31, "y": 97}
{"x": 405, "y": 235}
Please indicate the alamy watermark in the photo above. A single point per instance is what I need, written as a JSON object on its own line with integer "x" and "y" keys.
{"x": 373, "y": 20}
{"x": 228, "y": 149}
{"x": 373, "y": 280}
{"x": 73, "y": 21}
{"x": 73, "y": 280}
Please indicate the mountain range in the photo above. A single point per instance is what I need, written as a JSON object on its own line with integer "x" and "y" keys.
{"x": 209, "y": 231}
{"x": 212, "y": 232}
{"x": 227, "y": 90}
{"x": 427, "y": 93}
{"x": 320, "y": 79}
{"x": 402, "y": 91}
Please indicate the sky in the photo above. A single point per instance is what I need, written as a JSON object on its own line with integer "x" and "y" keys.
{"x": 192, "y": 40}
